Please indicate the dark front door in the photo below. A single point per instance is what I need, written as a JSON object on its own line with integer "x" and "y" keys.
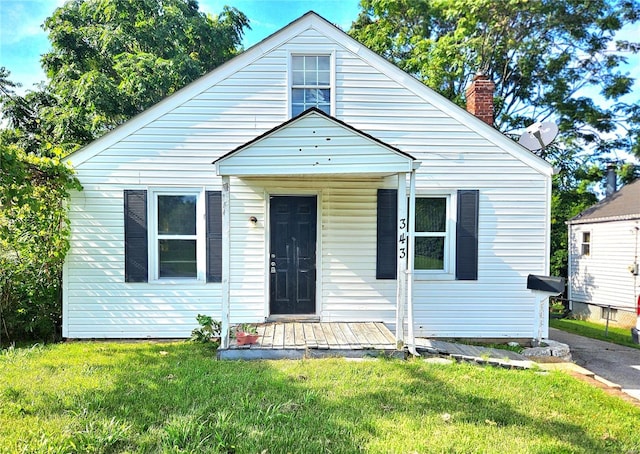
{"x": 292, "y": 257}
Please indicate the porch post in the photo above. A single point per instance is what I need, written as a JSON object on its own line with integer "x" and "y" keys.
{"x": 411, "y": 341}
{"x": 401, "y": 283}
{"x": 226, "y": 255}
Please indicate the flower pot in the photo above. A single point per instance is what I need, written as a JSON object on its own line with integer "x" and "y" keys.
{"x": 243, "y": 338}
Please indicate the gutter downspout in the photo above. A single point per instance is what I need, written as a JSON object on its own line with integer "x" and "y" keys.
{"x": 411, "y": 341}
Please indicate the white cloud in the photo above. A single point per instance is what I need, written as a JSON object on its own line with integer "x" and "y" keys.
{"x": 20, "y": 20}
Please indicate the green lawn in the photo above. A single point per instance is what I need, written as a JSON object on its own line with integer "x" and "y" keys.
{"x": 621, "y": 336}
{"x": 175, "y": 398}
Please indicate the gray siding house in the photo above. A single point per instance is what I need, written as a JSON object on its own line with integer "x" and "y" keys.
{"x": 603, "y": 258}
{"x": 307, "y": 178}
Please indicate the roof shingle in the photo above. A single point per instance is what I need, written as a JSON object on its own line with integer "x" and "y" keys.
{"x": 621, "y": 205}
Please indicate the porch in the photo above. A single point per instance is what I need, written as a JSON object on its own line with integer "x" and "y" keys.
{"x": 299, "y": 339}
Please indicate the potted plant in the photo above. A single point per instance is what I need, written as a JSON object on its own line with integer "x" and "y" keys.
{"x": 246, "y": 334}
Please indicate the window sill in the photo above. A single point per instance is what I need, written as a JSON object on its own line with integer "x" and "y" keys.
{"x": 177, "y": 282}
{"x": 433, "y": 276}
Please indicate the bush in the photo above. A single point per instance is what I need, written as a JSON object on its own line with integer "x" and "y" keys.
{"x": 34, "y": 236}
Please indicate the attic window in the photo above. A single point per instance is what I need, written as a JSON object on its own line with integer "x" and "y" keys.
{"x": 310, "y": 83}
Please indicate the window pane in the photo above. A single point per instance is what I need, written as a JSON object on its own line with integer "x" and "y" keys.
{"x": 324, "y": 63}
{"x": 297, "y": 109}
{"x": 323, "y": 78}
{"x": 297, "y": 95}
{"x": 311, "y": 96}
{"x": 177, "y": 215}
{"x": 429, "y": 253}
{"x": 324, "y": 96}
{"x": 431, "y": 214}
{"x": 178, "y": 258}
{"x": 298, "y": 77}
{"x": 311, "y": 78}
{"x": 297, "y": 62}
{"x": 326, "y": 108}
{"x": 311, "y": 63}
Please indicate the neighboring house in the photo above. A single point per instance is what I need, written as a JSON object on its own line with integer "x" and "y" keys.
{"x": 603, "y": 258}
{"x": 315, "y": 139}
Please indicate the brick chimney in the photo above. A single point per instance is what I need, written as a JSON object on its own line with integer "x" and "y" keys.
{"x": 480, "y": 98}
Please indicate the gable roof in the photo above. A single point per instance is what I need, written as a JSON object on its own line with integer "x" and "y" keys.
{"x": 311, "y": 20}
{"x": 314, "y": 143}
{"x": 621, "y": 205}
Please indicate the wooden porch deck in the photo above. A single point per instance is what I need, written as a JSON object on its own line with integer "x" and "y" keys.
{"x": 298, "y": 339}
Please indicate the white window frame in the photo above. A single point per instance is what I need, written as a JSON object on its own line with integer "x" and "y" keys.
{"x": 330, "y": 87}
{"x": 448, "y": 273}
{"x": 154, "y": 237}
{"x": 584, "y": 243}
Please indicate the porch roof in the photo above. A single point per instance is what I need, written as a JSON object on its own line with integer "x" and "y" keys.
{"x": 314, "y": 143}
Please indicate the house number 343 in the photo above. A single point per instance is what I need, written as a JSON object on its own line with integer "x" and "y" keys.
{"x": 403, "y": 238}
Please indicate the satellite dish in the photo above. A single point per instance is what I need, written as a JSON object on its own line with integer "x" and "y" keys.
{"x": 538, "y": 135}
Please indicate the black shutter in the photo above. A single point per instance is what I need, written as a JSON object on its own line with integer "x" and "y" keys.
{"x": 467, "y": 235}
{"x": 136, "y": 260}
{"x": 386, "y": 258}
{"x": 214, "y": 236}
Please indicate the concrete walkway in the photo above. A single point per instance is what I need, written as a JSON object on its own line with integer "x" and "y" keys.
{"x": 472, "y": 353}
{"x": 615, "y": 363}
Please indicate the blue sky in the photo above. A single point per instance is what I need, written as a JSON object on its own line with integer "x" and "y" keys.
{"x": 22, "y": 39}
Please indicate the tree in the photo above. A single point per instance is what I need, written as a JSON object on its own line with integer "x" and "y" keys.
{"x": 112, "y": 59}
{"x": 546, "y": 57}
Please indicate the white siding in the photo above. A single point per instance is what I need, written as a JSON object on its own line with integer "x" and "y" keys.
{"x": 97, "y": 301}
{"x": 177, "y": 149}
{"x": 314, "y": 145}
{"x": 603, "y": 276}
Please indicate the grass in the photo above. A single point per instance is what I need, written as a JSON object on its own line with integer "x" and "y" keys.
{"x": 620, "y": 336}
{"x": 174, "y": 398}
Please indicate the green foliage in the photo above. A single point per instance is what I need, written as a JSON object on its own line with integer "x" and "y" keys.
{"x": 34, "y": 238}
{"x": 150, "y": 397}
{"x": 209, "y": 330}
{"x": 112, "y": 59}
{"x": 247, "y": 328}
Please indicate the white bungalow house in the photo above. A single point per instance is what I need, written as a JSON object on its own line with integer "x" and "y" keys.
{"x": 299, "y": 181}
{"x": 603, "y": 259}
